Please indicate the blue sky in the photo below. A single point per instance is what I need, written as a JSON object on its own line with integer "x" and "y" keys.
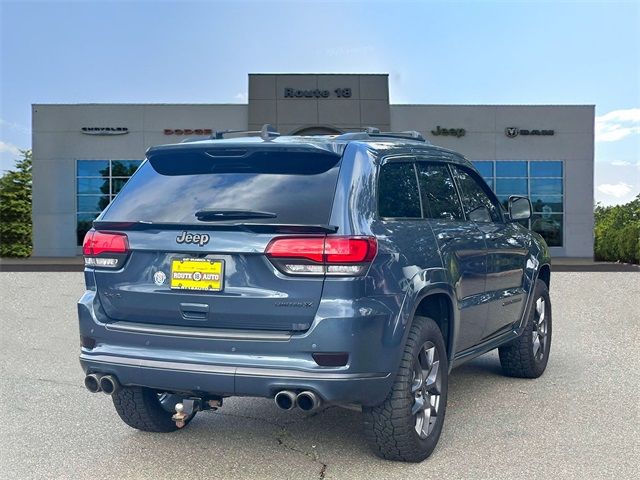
{"x": 435, "y": 52}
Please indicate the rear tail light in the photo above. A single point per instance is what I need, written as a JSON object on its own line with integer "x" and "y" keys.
{"x": 344, "y": 256}
{"x": 104, "y": 249}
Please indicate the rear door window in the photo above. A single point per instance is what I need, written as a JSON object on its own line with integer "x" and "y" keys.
{"x": 439, "y": 197}
{"x": 296, "y": 186}
{"x": 398, "y": 195}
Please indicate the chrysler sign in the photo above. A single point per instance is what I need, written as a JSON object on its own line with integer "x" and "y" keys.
{"x": 104, "y": 130}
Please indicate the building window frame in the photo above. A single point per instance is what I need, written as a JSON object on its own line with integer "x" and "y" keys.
{"x": 110, "y": 195}
{"x": 494, "y": 179}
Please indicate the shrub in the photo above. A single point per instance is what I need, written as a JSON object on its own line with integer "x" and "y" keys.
{"x": 617, "y": 232}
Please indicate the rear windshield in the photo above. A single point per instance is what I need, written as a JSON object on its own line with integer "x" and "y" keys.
{"x": 296, "y": 186}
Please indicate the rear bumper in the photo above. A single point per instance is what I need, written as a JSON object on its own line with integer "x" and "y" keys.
{"x": 232, "y": 364}
{"x": 241, "y": 381}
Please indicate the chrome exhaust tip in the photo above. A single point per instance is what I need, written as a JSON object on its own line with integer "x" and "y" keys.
{"x": 307, "y": 401}
{"x": 92, "y": 382}
{"x": 109, "y": 384}
{"x": 285, "y": 399}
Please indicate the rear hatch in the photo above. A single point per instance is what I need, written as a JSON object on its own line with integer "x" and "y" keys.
{"x": 196, "y": 221}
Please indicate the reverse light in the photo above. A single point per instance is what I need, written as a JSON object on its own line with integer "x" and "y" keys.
{"x": 339, "y": 255}
{"x": 104, "y": 249}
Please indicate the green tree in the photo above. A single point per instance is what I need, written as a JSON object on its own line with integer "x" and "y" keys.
{"x": 617, "y": 232}
{"x": 15, "y": 209}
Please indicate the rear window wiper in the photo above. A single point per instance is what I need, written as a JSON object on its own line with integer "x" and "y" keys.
{"x": 214, "y": 215}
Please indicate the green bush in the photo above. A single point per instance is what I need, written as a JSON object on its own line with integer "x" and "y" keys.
{"x": 617, "y": 232}
{"x": 15, "y": 209}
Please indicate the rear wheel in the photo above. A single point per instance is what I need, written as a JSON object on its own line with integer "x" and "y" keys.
{"x": 146, "y": 409}
{"x": 527, "y": 355}
{"x": 407, "y": 425}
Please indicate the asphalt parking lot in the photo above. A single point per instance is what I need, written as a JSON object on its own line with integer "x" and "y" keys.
{"x": 581, "y": 419}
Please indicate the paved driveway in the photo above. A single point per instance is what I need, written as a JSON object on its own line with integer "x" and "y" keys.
{"x": 580, "y": 420}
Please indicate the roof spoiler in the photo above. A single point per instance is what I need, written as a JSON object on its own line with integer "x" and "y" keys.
{"x": 371, "y": 133}
{"x": 267, "y": 133}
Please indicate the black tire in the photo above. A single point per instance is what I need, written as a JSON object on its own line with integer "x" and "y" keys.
{"x": 391, "y": 428}
{"x": 520, "y": 357}
{"x": 141, "y": 408}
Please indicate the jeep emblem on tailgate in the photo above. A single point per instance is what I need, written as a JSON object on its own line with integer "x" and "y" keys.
{"x": 198, "y": 238}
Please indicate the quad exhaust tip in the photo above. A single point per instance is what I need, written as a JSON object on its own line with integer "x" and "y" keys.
{"x": 92, "y": 382}
{"x": 109, "y": 384}
{"x": 285, "y": 399}
{"x": 307, "y": 401}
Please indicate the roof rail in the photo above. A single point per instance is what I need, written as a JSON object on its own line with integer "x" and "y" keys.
{"x": 267, "y": 132}
{"x": 372, "y": 132}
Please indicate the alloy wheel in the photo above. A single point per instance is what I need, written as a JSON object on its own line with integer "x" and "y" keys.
{"x": 540, "y": 329}
{"x": 426, "y": 385}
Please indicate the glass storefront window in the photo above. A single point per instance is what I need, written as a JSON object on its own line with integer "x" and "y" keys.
{"x": 546, "y": 203}
{"x": 542, "y": 181}
{"x": 92, "y": 168}
{"x": 97, "y": 183}
{"x": 485, "y": 168}
{"x": 511, "y": 169}
{"x": 545, "y": 169}
{"x": 546, "y": 186}
{"x": 511, "y": 186}
{"x": 549, "y": 226}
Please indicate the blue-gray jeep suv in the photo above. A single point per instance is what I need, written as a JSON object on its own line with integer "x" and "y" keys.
{"x": 355, "y": 269}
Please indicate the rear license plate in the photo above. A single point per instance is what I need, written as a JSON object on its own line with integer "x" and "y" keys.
{"x": 197, "y": 274}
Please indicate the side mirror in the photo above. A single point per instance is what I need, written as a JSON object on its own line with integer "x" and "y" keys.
{"x": 519, "y": 208}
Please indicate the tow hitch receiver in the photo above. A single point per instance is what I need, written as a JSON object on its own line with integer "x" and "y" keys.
{"x": 189, "y": 406}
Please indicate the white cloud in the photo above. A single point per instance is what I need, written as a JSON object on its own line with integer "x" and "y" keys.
{"x": 617, "y": 190}
{"x": 621, "y": 163}
{"x": 8, "y": 155}
{"x": 242, "y": 97}
{"x": 8, "y": 148}
{"x": 14, "y": 126}
{"x": 618, "y": 124}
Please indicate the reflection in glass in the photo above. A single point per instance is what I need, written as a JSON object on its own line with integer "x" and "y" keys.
{"x": 398, "y": 191}
{"x": 549, "y": 226}
{"x": 92, "y": 203}
{"x": 84, "y": 224}
{"x": 546, "y": 203}
{"x": 92, "y": 168}
{"x": 173, "y": 189}
{"x": 546, "y": 186}
{"x": 511, "y": 186}
{"x": 124, "y": 168}
{"x": 477, "y": 204}
{"x": 92, "y": 185}
{"x": 511, "y": 169}
{"x": 485, "y": 168}
{"x": 545, "y": 169}
{"x": 117, "y": 184}
{"x": 439, "y": 197}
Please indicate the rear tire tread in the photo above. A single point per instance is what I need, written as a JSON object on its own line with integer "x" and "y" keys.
{"x": 389, "y": 431}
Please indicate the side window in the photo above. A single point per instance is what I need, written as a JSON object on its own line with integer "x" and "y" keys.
{"x": 439, "y": 197}
{"x": 477, "y": 204}
{"x": 398, "y": 195}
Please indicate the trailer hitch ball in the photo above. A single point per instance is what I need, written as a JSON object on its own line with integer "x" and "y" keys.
{"x": 179, "y": 417}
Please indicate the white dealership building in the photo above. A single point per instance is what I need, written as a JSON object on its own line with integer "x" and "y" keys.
{"x": 84, "y": 153}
